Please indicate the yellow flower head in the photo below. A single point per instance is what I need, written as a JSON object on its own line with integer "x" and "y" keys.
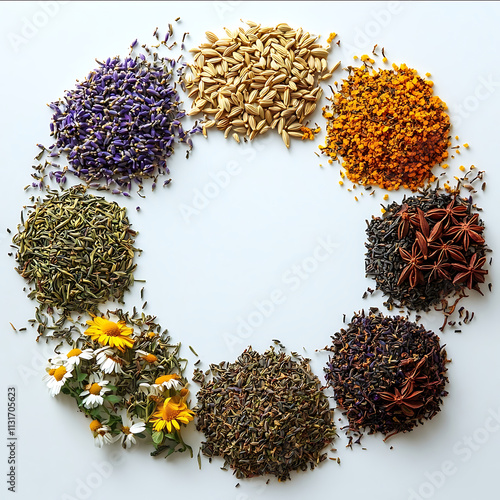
{"x": 150, "y": 358}
{"x": 58, "y": 373}
{"x": 169, "y": 414}
{"x": 108, "y": 332}
{"x": 167, "y": 378}
{"x": 95, "y": 425}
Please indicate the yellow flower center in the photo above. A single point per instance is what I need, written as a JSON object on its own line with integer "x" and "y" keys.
{"x": 73, "y": 353}
{"x": 59, "y": 373}
{"x": 125, "y": 429}
{"x": 166, "y": 378}
{"x": 151, "y": 335}
{"x": 52, "y": 371}
{"x": 150, "y": 358}
{"x": 95, "y": 389}
{"x": 170, "y": 411}
{"x": 111, "y": 329}
{"x": 94, "y": 425}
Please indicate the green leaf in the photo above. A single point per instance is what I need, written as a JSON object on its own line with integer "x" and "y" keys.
{"x": 65, "y": 390}
{"x": 157, "y": 437}
{"x": 113, "y": 398}
{"x": 81, "y": 377}
{"x": 112, "y": 387}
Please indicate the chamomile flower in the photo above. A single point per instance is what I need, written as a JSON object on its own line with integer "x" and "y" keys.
{"x": 146, "y": 388}
{"x": 102, "y": 434}
{"x": 94, "y": 392}
{"x": 148, "y": 357}
{"x": 128, "y": 430}
{"x": 172, "y": 381}
{"x": 108, "y": 332}
{"x": 170, "y": 414}
{"x": 56, "y": 377}
{"x": 108, "y": 361}
{"x": 74, "y": 356}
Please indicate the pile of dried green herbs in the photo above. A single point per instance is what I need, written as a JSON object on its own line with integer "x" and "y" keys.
{"x": 388, "y": 374}
{"x": 77, "y": 250}
{"x": 265, "y": 414}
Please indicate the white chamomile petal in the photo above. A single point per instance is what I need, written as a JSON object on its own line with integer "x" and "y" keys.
{"x": 56, "y": 377}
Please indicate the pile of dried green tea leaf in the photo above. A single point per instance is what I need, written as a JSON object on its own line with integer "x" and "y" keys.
{"x": 76, "y": 249}
{"x": 265, "y": 414}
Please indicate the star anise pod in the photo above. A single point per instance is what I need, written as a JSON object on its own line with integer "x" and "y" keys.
{"x": 425, "y": 236}
{"x": 467, "y": 230}
{"x": 449, "y": 214}
{"x": 446, "y": 250}
{"x": 438, "y": 270}
{"x": 412, "y": 270}
{"x": 414, "y": 377}
{"x": 404, "y": 221}
{"x": 471, "y": 274}
{"x": 406, "y": 400}
{"x": 428, "y": 384}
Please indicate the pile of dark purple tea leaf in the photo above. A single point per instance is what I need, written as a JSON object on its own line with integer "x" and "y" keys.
{"x": 76, "y": 250}
{"x": 388, "y": 374}
{"x": 425, "y": 249}
{"x": 265, "y": 414}
{"x": 120, "y": 124}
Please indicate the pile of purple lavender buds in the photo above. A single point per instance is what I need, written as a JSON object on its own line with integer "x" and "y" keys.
{"x": 120, "y": 124}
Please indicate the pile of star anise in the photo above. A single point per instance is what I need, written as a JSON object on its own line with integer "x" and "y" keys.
{"x": 388, "y": 374}
{"x": 426, "y": 248}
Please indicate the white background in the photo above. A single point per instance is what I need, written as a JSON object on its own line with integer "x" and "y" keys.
{"x": 205, "y": 273}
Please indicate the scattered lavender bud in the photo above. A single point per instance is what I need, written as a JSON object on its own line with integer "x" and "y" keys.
{"x": 120, "y": 124}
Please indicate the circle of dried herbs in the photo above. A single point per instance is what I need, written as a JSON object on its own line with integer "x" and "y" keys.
{"x": 76, "y": 249}
{"x": 388, "y": 374}
{"x": 264, "y": 414}
{"x": 426, "y": 248}
{"x": 121, "y": 123}
{"x": 130, "y": 393}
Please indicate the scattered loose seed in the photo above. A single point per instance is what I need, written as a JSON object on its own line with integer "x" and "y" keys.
{"x": 258, "y": 79}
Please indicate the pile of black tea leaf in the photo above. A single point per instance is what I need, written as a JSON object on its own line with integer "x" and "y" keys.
{"x": 265, "y": 414}
{"x": 427, "y": 248}
{"x": 388, "y": 373}
{"x": 76, "y": 249}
